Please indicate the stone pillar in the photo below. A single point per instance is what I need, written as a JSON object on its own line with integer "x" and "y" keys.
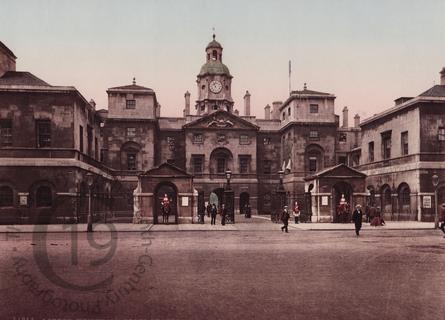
{"x": 247, "y": 104}
{"x": 187, "y": 103}
{"x": 267, "y": 112}
{"x": 356, "y": 121}
{"x": 345, "y": 117}
{"x": 276, "y": 109}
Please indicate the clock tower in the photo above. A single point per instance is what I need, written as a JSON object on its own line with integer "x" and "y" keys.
{"x": 214, "y": 82}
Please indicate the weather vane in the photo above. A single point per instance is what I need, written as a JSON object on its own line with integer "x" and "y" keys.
{"x": 213, "y": 29}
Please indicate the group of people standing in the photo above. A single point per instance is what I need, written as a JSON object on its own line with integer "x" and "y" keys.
{"x": 212, "y": 211}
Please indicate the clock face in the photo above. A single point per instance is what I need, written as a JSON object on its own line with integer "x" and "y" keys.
{"x": 215, "y": 86}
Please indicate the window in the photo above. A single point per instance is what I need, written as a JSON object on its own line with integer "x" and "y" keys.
{"x": 441, "y": 134}
{"x": 171, "y": 143}
{"x": 244, "y": 139}
{"x": 371, "y": 151}
{"x": 244, "y": 164}
{"x": 131, "y": 104}
{"x": 284, "y": 115}
{"x": 171, "y": 161}
{"x": 198, "y": 161}
{"x": 342, "y": 137}
{"x": 131, "y": 161}
{"x": 215, "y": 107}
{"x": 313, "y": 108}
{"x": 313, "y": 135}
{"x": 103, "y": 155}
{"x": 90, "y": 140}
{"x": 288, "y": 111}
{"x": 267, "y": 166}
{"x": 312, "y": 164}
{"x": 386, "y": 145}
{"x": 266, "y": 141}
{"x": 197, "y": 138}
{"x": 44, "y": 197}
{"x": 131, "y": 132}
{"x": 81, "y": 138}
{"x": 96, "y": 149}
{"x": 221, "y": 165}
{"x": 342, "y": 159}
{"x": 404, "y": 143}
{"x": 43, "y": 133}
{"x": 6, "y": 197}
{"x": 5, "y": 133}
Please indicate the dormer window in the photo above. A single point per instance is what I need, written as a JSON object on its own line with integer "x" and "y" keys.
{"x": 131, "y": 104}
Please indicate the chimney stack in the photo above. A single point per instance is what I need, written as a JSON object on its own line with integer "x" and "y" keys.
{"x": 276, "y": 110}
{"x": 267, "y": 112}
{"x": 345, "y": 117}
{"x": 247, "y": 104}
{"x": 187, "y": 103}
{"x": 93, "y": 104}
{"x": 442, "y": 77}
{"x": 356, "y": 121}
{"x": 7, "y": 59}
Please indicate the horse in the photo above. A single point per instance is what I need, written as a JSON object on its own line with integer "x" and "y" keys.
{"x": 165, "y": 212}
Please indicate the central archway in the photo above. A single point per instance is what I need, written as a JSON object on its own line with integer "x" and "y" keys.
{"x": 217, "y": 197}
{"x": 162, "y": 189}
{"x": 244, "y": 199}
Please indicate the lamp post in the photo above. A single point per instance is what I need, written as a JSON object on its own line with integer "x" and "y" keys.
{"x": 281, "y": 194}
{"x": 435, "y": 181}
{"x": 229, "y": 198}
{"x": 90, "y": 181}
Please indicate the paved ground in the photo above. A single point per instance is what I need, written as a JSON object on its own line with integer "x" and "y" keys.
{"x": 237, "y": 274}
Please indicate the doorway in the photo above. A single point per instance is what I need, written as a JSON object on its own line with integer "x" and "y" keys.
{"x": 169, "y": 190}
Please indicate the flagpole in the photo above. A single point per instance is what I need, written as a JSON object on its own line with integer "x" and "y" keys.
{"x": 290, "y": 70}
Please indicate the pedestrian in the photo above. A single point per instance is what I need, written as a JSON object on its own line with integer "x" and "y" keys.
{"x": 442, "y": 218}
{"x": 223, "y": 214}
{"x": 209, "y": 209}
{"x": 296, "y": 212}
{"x": 357, "y": 217}
{"x": 213, "y": 213}
{"x": 285, "y": 219}
{"x": 247, "y": 211}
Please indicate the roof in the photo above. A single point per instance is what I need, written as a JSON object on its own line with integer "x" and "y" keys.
{"x": 310, "y": 92}
{"x": 436, "y": 91}
{"x": 223, "y": 115}
{"x": 339, "y": 171}
{"x": 2, "y": 45}
{"x": 167, "y": 170}
{"x": 24, "y": 78}
{"x": 131, "y": 87}
{"x": 214, "y": 67}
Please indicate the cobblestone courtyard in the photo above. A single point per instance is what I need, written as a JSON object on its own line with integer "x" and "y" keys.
{"x": 265, "y": 274}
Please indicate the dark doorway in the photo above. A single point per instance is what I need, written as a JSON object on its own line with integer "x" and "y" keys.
{"x": 244, "y": 199}
{"x": 341, "y": 190}
{"x": 165, "y": 189}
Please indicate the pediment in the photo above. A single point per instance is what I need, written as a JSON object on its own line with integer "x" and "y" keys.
{"x": 221, "y": 120}
{"x": 338, "y": 171}
{"x": 166, "y": 170}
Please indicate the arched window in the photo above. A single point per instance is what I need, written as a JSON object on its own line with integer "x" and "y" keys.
{"x": 130, "y": 156}
{"x": 6, "y": 196}
{"x": 386, "y": 199}
{"x": 404, "y": 198}
{"x": 44, "y": 197}
{"x": 313, "y": 158}
{"x": 214, "y": 54}
{"x": 220, "y": 160}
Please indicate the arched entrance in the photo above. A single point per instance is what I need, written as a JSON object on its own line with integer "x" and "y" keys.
{"x": 338, "y": 190}
{"x": 162, "y": 189}
{"x": 244, "y": 199}
{"x": 217, "y": 197}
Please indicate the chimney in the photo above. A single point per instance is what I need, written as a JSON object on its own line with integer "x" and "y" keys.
{"x": 247, "y": 104}
{"x": 276, "y": 110}
{"x": 236, "y": 112}
{"x": 345, "y": 117}
{"x": 267, "y": 112}
{"x": 187, "y": 103}
{"x": 356, "y": 121}
{"x": 93, "y": 104}
{"x": 442, "y": 77}
{"x": 158, "y": 111}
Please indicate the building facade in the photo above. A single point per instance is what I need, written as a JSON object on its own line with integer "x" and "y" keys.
{"x": 53, "y": 139}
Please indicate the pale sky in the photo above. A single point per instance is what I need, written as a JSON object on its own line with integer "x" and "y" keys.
{"x": 367, "y": 53}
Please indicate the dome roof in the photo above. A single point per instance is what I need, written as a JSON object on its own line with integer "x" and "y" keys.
{"x": 214, "y": 44}
{"x": 214, "y": 67}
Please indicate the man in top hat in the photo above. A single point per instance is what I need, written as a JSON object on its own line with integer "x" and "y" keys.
{"x": 285, "y": 218}
{"x": 357, "y": 217}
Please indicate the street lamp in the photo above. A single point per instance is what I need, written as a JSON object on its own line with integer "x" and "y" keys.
{"x": 90, "y": 181}
{"x": 435, "y": 181}
{"x": 228, "y": 176}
